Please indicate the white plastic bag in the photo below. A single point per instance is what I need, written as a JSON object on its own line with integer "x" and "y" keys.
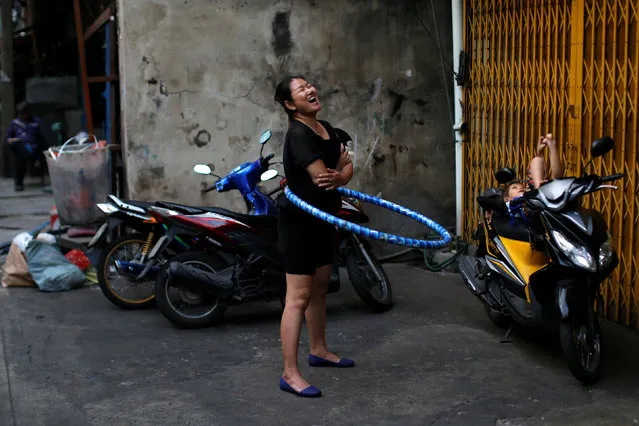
{"x": 22, "y": 240}
{"x": 46, "y": 238}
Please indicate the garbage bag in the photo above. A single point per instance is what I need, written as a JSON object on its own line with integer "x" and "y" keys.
{"x": 46, "y": 238}
{"x": 16, "y": 271}
{"x": 22, "y": 240}
{"x": 50, "y": 269}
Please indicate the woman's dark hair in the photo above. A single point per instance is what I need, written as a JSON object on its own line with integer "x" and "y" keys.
{"x": 283, "y": 93}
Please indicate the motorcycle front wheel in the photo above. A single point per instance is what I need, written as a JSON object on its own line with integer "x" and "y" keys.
{"x": 368, "y": 277}
{"x": 582, "y": 346}
{"x": 183, "y": 307}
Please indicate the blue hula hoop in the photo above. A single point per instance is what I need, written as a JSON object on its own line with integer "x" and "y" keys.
{"x": 371, "y": 233}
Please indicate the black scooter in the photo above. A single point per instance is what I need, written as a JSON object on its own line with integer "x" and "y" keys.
{"x": 542, "y": 263}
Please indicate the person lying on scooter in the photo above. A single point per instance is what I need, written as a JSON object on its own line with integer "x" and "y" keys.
{"x": 537, "y": 176}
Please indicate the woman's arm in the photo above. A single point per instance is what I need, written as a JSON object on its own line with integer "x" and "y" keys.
{"x": 347, "y": 172}
{"x": 328, "y": 178}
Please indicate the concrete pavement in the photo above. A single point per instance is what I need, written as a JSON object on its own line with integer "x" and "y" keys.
{"x": 22, "y": 211}
{"x": 75, "y": 359}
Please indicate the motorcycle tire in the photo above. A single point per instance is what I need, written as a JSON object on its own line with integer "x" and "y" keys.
{"x": 587, "y": 375}
{"x": 212, "y": 263}
{"x": 499, "y": 319}
{"x": 103, "y": 267}
{"x": 360, "y": 280}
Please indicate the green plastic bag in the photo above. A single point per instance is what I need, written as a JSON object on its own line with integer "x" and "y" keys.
{"x": 50, "y": 270}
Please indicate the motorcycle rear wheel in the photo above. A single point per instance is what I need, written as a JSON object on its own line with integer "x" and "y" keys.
{"x": 176, "y": 311}
{"x": 582, "y": 347}
{"x": 369, "y": 278}
{"x": 128, "y": 294}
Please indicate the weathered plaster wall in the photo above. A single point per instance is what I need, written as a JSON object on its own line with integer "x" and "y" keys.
{"x": 198, "y": 78}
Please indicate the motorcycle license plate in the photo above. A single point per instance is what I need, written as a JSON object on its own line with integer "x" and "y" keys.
{"x": 98, "y": 234}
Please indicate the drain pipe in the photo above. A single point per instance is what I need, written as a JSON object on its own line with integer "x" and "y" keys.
{"x": 459, "y": 126}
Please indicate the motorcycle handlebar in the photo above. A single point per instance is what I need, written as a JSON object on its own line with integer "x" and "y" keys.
{"x": 266, "y": 159}
{"x": 612, "y": 177}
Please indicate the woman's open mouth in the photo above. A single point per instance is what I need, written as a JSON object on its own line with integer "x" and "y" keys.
{"x": 313, "y": 100}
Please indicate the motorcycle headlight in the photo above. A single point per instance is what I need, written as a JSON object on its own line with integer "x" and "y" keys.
{"x": 606, "y": 253}
{"x": 578, "y": 254}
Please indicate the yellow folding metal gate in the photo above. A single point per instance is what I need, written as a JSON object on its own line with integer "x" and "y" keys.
{"x": 570, "y": 68}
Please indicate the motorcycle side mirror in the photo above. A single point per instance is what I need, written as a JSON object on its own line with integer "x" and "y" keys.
{"x": 601, "y": 146}
{"x": 264, "y": 137}
{"x": 202, "y": 169}
{"x": 505, "y": 175}
{"x": 268, "y": 175}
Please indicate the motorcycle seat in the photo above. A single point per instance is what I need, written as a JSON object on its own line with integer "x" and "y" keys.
{"x": 254, "y": 221}
{"x": 142, "y": 204}
{"x": 514, "y": 229}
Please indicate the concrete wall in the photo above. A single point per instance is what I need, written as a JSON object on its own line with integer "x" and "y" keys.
{"x": 198, "y": 79}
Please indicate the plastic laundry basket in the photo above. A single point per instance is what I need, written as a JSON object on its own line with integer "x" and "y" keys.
{"x": 80, "y": 177}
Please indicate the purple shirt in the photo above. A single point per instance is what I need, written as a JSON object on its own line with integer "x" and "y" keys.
{"x": 29, "y": 132}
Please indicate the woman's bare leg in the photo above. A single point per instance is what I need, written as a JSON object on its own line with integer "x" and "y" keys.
{"x": 298, "y": 297}
{"x": 538, "y": 171}
{"x": 316, "y": 315}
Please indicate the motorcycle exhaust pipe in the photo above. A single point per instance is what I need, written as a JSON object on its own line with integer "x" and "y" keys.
{"x": 133, "y": 269}
{"x": 218, "y": 284}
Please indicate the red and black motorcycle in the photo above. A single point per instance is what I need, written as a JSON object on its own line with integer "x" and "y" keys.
{"x": 235, "y": 259}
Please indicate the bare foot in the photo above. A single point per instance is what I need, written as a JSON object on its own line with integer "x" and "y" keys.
{"x": 295, "y": 380}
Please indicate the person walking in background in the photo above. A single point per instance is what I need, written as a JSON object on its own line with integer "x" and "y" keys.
{"x": 26, "y": 143}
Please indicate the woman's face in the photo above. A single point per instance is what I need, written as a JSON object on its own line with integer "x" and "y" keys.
{"x": 305, "y": 100}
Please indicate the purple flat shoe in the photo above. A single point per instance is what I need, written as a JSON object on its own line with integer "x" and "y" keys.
{"x": 315, "y": 361}
{"x": 309, "y": 392}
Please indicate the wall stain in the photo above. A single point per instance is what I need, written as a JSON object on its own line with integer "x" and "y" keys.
{"x": 385, "y": 125}
{"x": 397, "y": 103}
{"x": 195, "y": 75}
{"x": 374, "y": 89}
{"x": 157, "y": 172}
{"x": 420, "y": 102}
{"x": 171, "y": 195}
{"x": 154, "y": 14}
{"x": 282, "y": 41}
{"x": 378, "y": 159}
{"x": 202, "y": 138}
{"x": 189, "y": 127}
{"x": 240, "y": 144}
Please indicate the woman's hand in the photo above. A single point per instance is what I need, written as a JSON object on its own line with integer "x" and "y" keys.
{"x": 330, "y": 180}
{"x": 344, "y": 158}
